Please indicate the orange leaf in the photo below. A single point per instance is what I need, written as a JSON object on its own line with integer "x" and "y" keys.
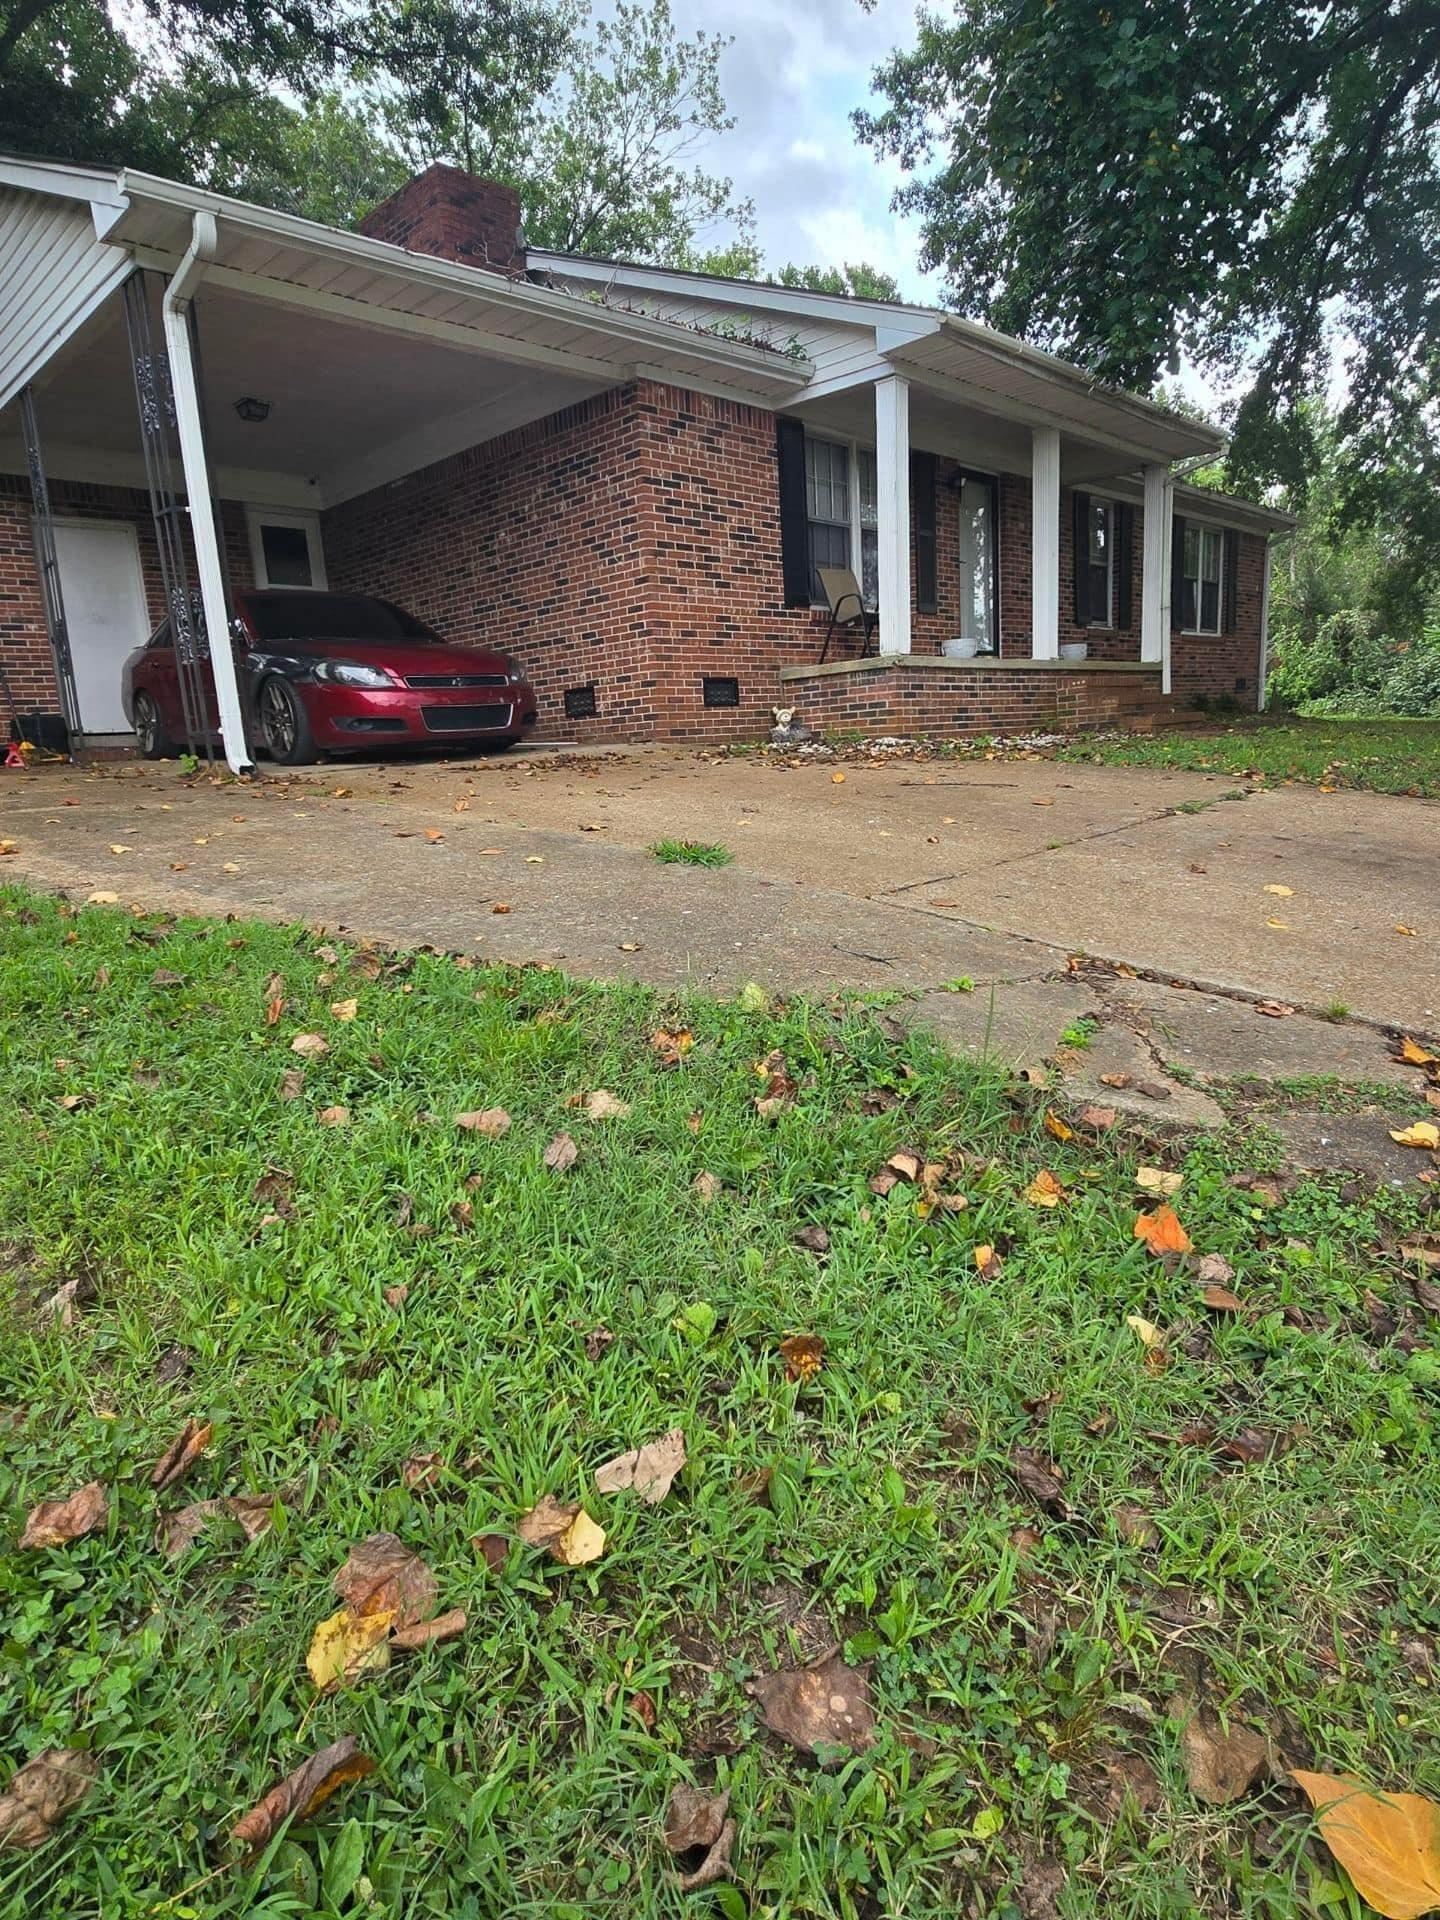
{"x": 803, "y": 1354}
{"x": 1162, "y": 1232}
{"x": 1056, "y": 1127}
{"x": 1045, "y": 1190}
{"x": 1414, "y": 1055}
{"x": 1388, "y": 1843}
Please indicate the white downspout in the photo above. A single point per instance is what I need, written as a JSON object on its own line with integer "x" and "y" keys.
{"x": 175, "y": 307}
{"x": 1166, "y": 575}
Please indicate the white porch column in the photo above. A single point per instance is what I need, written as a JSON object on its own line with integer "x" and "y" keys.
{"x": 1262, "y": 684}
{"x": 191, "y": 436}
{"x": 892, "y": 481}
{"x": 1045, "y": 543}
{"x": 1155, "y": 566}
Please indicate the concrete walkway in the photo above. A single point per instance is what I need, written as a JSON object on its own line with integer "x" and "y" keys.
{"x": 903, "y": 877}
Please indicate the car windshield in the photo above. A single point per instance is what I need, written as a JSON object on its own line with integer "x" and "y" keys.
{"x": 322, "y": 619}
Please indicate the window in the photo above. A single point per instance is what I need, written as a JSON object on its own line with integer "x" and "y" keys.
{"x": 1100, "y": 560}
{"x": 285, "y": 548}
{"x": 827, "y": 506}
{"x": 869, "y": 528}
{"x": 316, "y": 618}
{"x": 977, "y": 562}
{"x": 1202, "y": 568}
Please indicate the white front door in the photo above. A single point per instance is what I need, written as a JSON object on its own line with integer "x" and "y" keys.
{"x": 105, "y": 613}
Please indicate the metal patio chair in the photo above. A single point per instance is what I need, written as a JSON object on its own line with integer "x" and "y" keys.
{"x": 847, "y": 610}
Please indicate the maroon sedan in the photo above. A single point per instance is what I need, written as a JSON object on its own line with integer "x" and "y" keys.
{"x": 337, "y": 673}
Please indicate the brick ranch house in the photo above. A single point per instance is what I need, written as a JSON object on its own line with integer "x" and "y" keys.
{"x": 626, "y": 476}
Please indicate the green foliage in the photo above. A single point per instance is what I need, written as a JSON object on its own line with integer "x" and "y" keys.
{"x": 1236, "y": 181}
{"x": 691, "y": 853}
{"x": 1377, "y": 755}
{"x": 1349, "y": 651}
{"x": 859, "y": 282}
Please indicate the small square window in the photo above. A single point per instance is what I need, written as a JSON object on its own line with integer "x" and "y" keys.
{"x": 719, "y": 690}
{"x": 580, "y": 703}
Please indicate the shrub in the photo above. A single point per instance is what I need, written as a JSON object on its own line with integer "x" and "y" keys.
{"x": 1349, "y": 654}
{"x": 1412, "y": 687}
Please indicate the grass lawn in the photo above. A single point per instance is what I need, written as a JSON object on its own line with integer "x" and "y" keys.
{"x": 1382, "y": 756}
{"x": 1253, "y": 1524}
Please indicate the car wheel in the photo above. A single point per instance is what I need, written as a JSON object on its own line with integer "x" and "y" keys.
{"x": 284, "y": 724}
{"x": 150, "y": 735}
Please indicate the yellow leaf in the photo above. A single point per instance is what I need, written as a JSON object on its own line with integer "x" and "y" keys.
{"x": 1145, "y": 1331}
{"x": 1056, "y": 1127}
{"x": 344, "y": 1009}
{"x": 1045, "y": 1190}
{"x": 1283, "y": 925}
{"x": 1157, "y": 1180}
{"x": 1388, "y": 1843}
{"x": 349, "y": 1644}
{"x": 1424, "y": 1133}
{"x": 116, "y": 847}
{"x": 101, "y": 898}
{"x": 1400, "y": 927}
{"x": 582, "y": 1541}
{"x": 1414, "y": 1055}
{"x": 1285, "y": 893}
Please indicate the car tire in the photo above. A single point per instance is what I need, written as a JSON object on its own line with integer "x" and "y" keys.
{"x": 150, "y": 735}
{"x": 284, "y": 724}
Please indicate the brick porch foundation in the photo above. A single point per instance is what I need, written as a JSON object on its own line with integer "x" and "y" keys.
{"x": 920, "y": 694}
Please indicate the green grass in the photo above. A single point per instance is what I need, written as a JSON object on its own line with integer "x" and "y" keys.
{"x": 692, "y": 853}
{"x": 1011, "y": 1682}
{"x": 1381, "y": 756}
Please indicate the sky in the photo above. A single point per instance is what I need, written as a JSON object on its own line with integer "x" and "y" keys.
{"x": 791, "y": 79}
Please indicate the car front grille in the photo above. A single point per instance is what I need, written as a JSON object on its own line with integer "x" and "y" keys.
{"x": 455, "y": 680}
{"x": 466, "y": 719}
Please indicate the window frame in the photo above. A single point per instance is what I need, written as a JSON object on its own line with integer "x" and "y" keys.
{"x": 302, "y": 520}
{"x": 854, "y": 525}
{"x": 1109, "y": 507}
{"x": 1204, "y": 530}
{"x": 990, "y": 481}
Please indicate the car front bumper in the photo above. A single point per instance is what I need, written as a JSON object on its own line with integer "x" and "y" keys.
{"x": 351, "y": 717}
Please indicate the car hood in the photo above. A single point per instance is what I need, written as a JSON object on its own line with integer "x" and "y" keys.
{"x": 407, "y": 660}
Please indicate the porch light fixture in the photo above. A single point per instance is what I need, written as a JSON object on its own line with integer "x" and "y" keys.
{"x": 251, "y": 410}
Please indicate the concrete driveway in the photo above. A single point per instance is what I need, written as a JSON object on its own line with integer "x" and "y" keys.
{"x": 903, "y": 875}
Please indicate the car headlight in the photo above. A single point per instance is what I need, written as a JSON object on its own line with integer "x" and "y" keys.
{"x": 513, "y": 669}
{"x": 352, "y": 673}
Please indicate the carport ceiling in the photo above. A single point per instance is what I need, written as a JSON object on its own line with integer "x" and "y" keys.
{"x": 350, "y": 406}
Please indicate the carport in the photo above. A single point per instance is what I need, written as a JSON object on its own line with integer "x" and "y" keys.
{"x": 187, "y": 347}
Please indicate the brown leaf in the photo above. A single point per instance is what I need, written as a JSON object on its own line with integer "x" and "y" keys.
{"x": 603, "y": 1105}
{"x": 303, "y": 1792}
{"x": 1158, "y": 1182}
{"x": 493, "y": 1123}
{"x": 642, "y": 1705}
{"x": 310, "y": 1046}
{"x": 334, "y": 1116}
{"x": 568, "y": 1534}
{"x": 813, "y": 1239}
{"x": 493, "y": 1548}
{"x": 445, "y": 1626}
{"x": 1273, "y": 1009}
{"x": 1214, "y": 1270}
{"x": 41, "y": 1793}
{"x": 1250, "y": 1445}
{"x": 462, "y": 1215}
{"x": 561, "y": 1154}
{"x": 1389, "y": 1844}
{"x": 649, "y": 1470}
{"x": 275, "y": 1189}
{"x": 671, "y": 1045}
{"x": 596, "y": 1341}
{"x": 708, "y": 1186}
{"x": 1220, "y": 1763}
{"x": 397, "y": 1295}
{"x": 292, "y": 1083}
{"x": 1097, "y": 1119}
{"x": 1117, "y": 1080}
{"x": 344, "y": 1010}
{"x": 1222, "y": 1300}
{"x": 1041, "y": 1478}
{"x": 420, "y": 1469}
{"x": 382, "y": 1575}
{"x": 820, "y": 1707}
{"x": 694, "y": 1818}
{"x": 1045, "y": 1190}
{"x": 1162, "y": 1232}
{"x": 988, "y": 1263}
{"x": 803, "y": 1354}
{"x": 175, "y": 1532}
{"x": 181, "y": 1454}
{"x": 1134, "y": 1525}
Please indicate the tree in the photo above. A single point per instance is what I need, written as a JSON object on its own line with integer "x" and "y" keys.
{"x": 860, "y": 282}
{"x": 1245, "y": 181}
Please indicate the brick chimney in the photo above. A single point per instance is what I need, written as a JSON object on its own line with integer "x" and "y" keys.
{"x": 449, "y": 213}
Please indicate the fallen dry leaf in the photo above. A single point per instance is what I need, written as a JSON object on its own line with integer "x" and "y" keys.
{"x": 1045, "y": 1190}
{"x": 819, "y": 1707}
{"x": 493, "y": 1123}
{"x": 1414, "y": 1055}
{"x": 422, "y": 1633}
{"x": 1117, "y": 1080}
{"x": 814, "y": 1240}
{"x": 568, "y": 1534}
{"x": 292, "y": 1083}
{"x": 181, "y": 1454}
{"x": 1056, "y": 1127}
{"x": 349, "y": 1645}
{"x": 310, "y": 1046}
{"x": 382, "y": 1575}
{"x": 1221, "y": 1300}
{"x": 101, "y": 898}
{"x": 344, "y": 1009}
{"x": 333, "y": 1117}
{"x": 1220, "y": 1763}
{"x": 1273, "y": 1009}
{"x": 1156, "y": 1180}
{"x": 696, "y": 1821}
{"x": 1424, "y": 1133}
{"x": 55, "y": 1523}
{"x": 648, "y": 1470}
{"x": 1097, "y": 1119}
{"x": 1389, "y": 1844}
{"x": 988, "y": 1263}
{"x": 1041, "y": 1478}
{"x": 709, "y": 1186}
{"x": 253, "y": 1512}
{"x": 397, "y": 1295}
{"x": 670, "y": 1046}
{"x": 561, "y": 1154}
{"x": 603, "y": 1105}
{"x": 1285, "y": 893}
{"x": 420, "y": 1470}
{"x": 1162, "y": 1232}
{"x": 42, "y": 1792}
{"x": 803, "y": 1354}
{"x": 1145, "y": 1331}
{"x": 303, "y": 1792}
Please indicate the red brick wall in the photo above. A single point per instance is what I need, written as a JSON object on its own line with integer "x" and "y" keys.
{"x": 957, "y": 701}
{"x": 24, "y": 641}
{"x": 449, "y": 213}
{"x": 1226, "y": 666}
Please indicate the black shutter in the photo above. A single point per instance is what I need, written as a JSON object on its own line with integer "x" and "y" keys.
{"x": 1177, "y": 571}
{"x": 794, "y": 518}
{"x": 1124, "y": 562}
{"x": 1082, "y": 559}
{"x": 1230, "y": 580}
{"x": 922, "y": 520}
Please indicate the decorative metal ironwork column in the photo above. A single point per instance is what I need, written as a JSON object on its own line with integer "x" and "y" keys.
{"x": 155, "y": 406}
{"x": 51, "y": 591}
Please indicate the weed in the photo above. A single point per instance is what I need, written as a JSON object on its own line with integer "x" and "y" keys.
{"x": 692, "y": 853}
